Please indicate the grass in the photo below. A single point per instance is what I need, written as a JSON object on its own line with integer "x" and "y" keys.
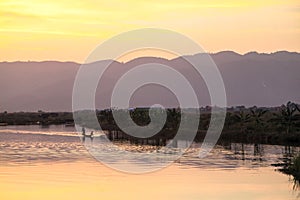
{"x": 293, "y": 169}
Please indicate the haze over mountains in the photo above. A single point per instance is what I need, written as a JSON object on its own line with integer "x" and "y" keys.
{"x": 250, "y": 79}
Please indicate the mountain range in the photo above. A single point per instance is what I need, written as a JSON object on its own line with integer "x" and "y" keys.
{"x": 251, "y": 79}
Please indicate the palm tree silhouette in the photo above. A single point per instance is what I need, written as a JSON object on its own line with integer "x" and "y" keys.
{"x": 287, "y": 116}
{"x": 242, "y": 117}
{"x": 257, "y": 115}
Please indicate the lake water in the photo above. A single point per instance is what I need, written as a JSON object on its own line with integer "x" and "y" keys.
{"x": 53, "y": 163}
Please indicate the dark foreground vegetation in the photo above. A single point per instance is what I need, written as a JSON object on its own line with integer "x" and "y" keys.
{"x": 277, "y": 125}
{"x": 291, "y": 166}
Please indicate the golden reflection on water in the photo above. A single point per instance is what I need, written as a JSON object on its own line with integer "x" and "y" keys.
{"x": 91, "y": 180}
{"x": 53, "y": 164}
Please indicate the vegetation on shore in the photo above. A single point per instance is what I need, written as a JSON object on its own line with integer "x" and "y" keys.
{"x": 279, "y": 125}
{"x": 291, "y": 167}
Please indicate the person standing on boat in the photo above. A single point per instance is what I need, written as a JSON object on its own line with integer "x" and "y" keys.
{"x": 83, "y": 131}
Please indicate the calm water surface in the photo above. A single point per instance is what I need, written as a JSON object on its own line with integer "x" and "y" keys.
{"x": 52, "y": 163}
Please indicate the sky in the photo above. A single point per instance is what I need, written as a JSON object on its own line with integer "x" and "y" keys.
{"x": 68, "y": 30}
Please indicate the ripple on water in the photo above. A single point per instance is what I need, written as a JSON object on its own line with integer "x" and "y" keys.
{"x": 31, "y": 148}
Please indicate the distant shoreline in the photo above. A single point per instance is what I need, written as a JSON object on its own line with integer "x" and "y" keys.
{"x": 279, "y": 125}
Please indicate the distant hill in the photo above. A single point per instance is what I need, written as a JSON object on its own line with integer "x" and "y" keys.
{"x": 250, "y": 79}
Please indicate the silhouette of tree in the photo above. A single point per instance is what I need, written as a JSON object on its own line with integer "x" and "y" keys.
{"x": 230, "y": 120}
{"x": 286, "y": 117}
{"x": 242, "y": 118}
{"x": 257, "y": 115}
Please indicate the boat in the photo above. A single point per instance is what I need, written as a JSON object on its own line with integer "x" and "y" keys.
{"x": 88, "y": 136}
{"x": 69, "y": 124}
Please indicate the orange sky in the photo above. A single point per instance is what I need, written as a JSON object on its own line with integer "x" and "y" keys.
{"x": 68, "y": 30}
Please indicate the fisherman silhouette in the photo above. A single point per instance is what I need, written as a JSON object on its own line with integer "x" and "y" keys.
{"x": 83, "y": 131}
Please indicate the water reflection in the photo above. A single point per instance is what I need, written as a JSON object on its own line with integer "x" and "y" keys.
{"x": 20, "y": 147}
{"x": 29, "y": 144}
{"x": 237, "y": 170}
{"x": 16, "y": 145}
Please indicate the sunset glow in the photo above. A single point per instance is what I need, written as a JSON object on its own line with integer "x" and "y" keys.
{"x": 70, "y": 30}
